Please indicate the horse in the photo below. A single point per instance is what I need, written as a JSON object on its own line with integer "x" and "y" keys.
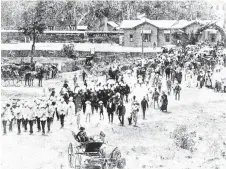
{"x": 31, "y": 75}
{"x": 29, "y": 78}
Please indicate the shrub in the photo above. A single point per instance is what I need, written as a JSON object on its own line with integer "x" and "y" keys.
{"x": 183, "y": 138}
{"x": 101, "y": 39}
{"x": 68, "y": 51}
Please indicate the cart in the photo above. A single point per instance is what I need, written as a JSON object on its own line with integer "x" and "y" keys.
{"x": 90, "y": 155}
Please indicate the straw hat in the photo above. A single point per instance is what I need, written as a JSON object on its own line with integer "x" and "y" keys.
{"x": 88, "y": 102}
{"x": 82, "y": 128}
{"x": 71, "y": 99}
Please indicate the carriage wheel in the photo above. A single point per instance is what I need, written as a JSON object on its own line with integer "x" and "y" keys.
{"x": 121, "y": 163}
{"x": 78, "y": 162}
{"x": 71, "y": 155}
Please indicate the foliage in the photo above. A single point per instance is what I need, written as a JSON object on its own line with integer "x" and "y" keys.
{"x": 181, "y": 39}
{"x": 33, "y": 23}
{"x": 68, "y": 51}
{"x": 101, "y": 39}
{"x": 183, "y": 138}
{"x": 208, "y": 26}
{"x": 92, "y": 13}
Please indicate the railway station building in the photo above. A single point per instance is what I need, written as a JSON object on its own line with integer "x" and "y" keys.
{"x": 159, "y": 32}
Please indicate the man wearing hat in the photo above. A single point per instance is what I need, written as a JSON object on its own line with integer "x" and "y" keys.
{"x": 83, "y": 75}
{"x": 81, "y": 136}
{"x": 135, "y": 110}
{"x": 110, "y": 110}
{"x": 144, "y": 106}
{"x": 177, "y": 90}
{"x": 155, "y": 97}
{"x": 31, "y": 117}
{"x": 38, "y": 115}
{"x": 19, "y": 116}
{"x": 50, "y": 113}
{"x": 62, "y": 108}
{"x": 43, "y": 117}
{"x": 88, "y": 110}
{"x": 121, "y": 112}
{"x": 65, "y": 84}
{"x": 25, "y": 113}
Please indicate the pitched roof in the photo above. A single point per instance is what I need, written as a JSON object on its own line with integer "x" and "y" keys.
{"x": 113, "y": 24}
{"x": 162, "y": 24}
{"x": 129, "y": 24}
{"x": 181, "y": 24}
{"x": 165, "y": 24}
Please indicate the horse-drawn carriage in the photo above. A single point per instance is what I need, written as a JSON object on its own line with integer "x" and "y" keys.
{"x": 12, "y": 74}
{"x": 92, "y": 155}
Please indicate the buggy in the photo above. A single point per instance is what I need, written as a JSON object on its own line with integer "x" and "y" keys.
{"x": 91, "y": 155}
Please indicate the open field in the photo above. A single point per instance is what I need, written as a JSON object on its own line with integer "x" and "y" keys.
{"x": 151, "y": 145}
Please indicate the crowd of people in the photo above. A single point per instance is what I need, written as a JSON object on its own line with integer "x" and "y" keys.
{"x": 111, "y": 98}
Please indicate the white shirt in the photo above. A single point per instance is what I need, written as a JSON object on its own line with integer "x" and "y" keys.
{"x": 71, "y": 108}
{"x": 17, "y": 113}
{"x": 51, "y": 111}
{"x": 88, "y": 107}
{"x": 62, "y": 108}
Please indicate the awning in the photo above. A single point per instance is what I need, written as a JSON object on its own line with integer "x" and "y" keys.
{"x": 167, "y": 31}
{"x": 146, "y": 31}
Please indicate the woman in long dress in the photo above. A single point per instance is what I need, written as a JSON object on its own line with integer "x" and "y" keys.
{"x": 164, "y": 101}
{"x": 71, "y": 110}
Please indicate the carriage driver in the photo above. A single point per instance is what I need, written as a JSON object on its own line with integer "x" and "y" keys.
{"x": 81, "y": 136}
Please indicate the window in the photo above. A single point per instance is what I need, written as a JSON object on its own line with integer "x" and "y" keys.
{"x": 147, "y": 38}
{"x": 167, "y": 37}
{"x": 131, "y": 37}
{"x": 213, "y": 37}
{"x": 50, "y": 27}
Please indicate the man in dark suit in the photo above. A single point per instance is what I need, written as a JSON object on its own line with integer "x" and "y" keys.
{"x": 144, "y": 105}
{"x": 110, "y": 110}
{"x": 121, "y": 112}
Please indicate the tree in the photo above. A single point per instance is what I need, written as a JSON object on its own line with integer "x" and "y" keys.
{"x": 34, "y": 24}
{"x": 210, "y": 26}
{"x": 181, "y": 39}
{"x": 68, "y": 51}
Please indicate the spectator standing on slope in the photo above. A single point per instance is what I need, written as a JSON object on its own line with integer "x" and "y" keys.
{"x": 144, "y": 106}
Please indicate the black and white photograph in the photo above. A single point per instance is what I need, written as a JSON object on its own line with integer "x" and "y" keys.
{"x": 113, "y": 84}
